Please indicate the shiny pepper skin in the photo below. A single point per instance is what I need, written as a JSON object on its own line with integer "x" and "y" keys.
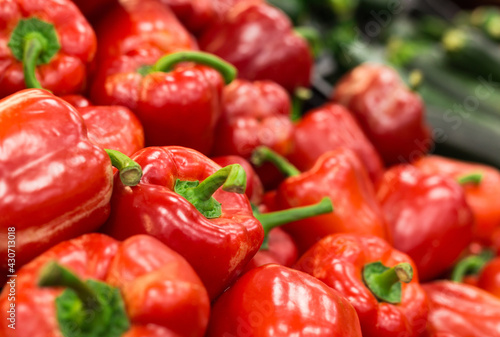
{"x": 55, "y": 184}
{"x": 391, "y": 115}
{"x": 273, "y": 300}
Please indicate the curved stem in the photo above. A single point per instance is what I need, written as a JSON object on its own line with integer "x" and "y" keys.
{"x": 232, "y": 178}
{"x": 130, "y": 171}
{"x": 470, "y": 265}
{"x": 168, "y": 62}
{"x": 55, "y": 275}
{"x": 471, "y": 178}
{"x": 276, "y": 219}
{"x": 32, "y": 50}
{"x": 264, "y": 154}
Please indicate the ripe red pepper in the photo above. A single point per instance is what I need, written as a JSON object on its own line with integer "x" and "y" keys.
{"x": 391, "y": 115}
{"x": 55, "y": 184}
{"x": 178, "y": 105}
{"x": 217, "y": 240}
{"x": 379, "y": 281}
{"x": 254, "y": 190}
{"x": 328, "y": 128}
{"x": 46, "y": 44}
{"x": 339, "y": 175}
{"x": 259, "y": 41}
{"x": 481, "y": 270}
{"x": 110, "y": 127}
{"x": 255, "y": 114}
{"x": 481, "y": 194}
{"x": 428, "y": 217}
{"x": 198, "y": 15}
{"x": 96, "y": 286}
{"x": 277, "y": 301}
{"x": 462, "y": 310}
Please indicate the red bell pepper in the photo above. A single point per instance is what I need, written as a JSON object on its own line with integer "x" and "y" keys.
{"x": 54, "y": 183}
{"x": 481, "y": 194}
{"x": 462, "y": 310}
{"x": 176, "y": 106}
{"x": 110, "y": 127}
{"x": 339, "y": 175}
{"x": 146, "y": 27}
{"x": 391, "y": 115}
{"x": 428, "y": 217}
{"x": 45, "y": 44}
{"x": 216, "y": 234}
{"x": 96, "y": 286}
{"x": 255, "y": 114}
{"x": 378, "y": 281}
{"x": 259, "y": 41}
{"x": 277, "y": 301}
{"x": 328, "y": 128}
{"x": 254, "y": 190}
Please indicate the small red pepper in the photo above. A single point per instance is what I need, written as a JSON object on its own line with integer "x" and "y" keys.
{"x": 254, "y": 190}
{"x": 481, "y": 270}
{"x": 216, "y": 234}
{"x": 339, "y": 175}
{"x": 481, "y": 193}
{"x": 277, "y": 301}
{"x": 110, "y": 127}
{"x": 96, "y": 286}
{"x": 54, "y": 183}
{"x": 462, "y": 310}
{"x": 379, "y": 281}
{"x": 255, "y": 114}
{"x": 328, "y": 128}
{"x": 259, "y": 41}
{"x": 428, "y": 217}
{"x": 46, "y": 44}
{"x": 391, "y": 115}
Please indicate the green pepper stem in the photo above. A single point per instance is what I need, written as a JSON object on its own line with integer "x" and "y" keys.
{"x": 470, "y": 265}
{"x": 55, "y": 275}
{"x": 232, "y": 178}
{"x": 264, "y": 154}
{"x": 471, "y": 178}
{"x": 312, "y": 36}
{"x": 276, "y": 219}
{"x": 300, "y": 95}
{"x": 168, "y": 62}
{"x": 33, "y": 48}
{"x": 130, "y": 171}
{"x": 385, "y": 282}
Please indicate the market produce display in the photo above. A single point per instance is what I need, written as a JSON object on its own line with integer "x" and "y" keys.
{"x": 249, "y": 168}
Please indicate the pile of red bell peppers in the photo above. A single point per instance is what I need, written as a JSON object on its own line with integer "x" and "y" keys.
{"x": 154, "y": 182}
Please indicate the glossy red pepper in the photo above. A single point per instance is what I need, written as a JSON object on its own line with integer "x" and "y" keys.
{"x": 277, "y": 301}
{"x": 45, "y": 44}
{"x": 255, "y": 114}
{"x": 339, "y": 175}
{"x": 55, "y": 184}
{"x": 481, "y": 195}
{"x": 328, "y": 128}
{"x": 462, "y": 310}
{"x": 254, "y": 190}
{"x": 481, "y": 270}
{"x": 110, "y": 127}
{"x": 138, "y": 287}
{"x": 259, "y": 41}
{"x": 391, "y": 115}
{"x": 428, "y": 217}
{"x": 217, "y": 241}
{"x": 379, "y": 281}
